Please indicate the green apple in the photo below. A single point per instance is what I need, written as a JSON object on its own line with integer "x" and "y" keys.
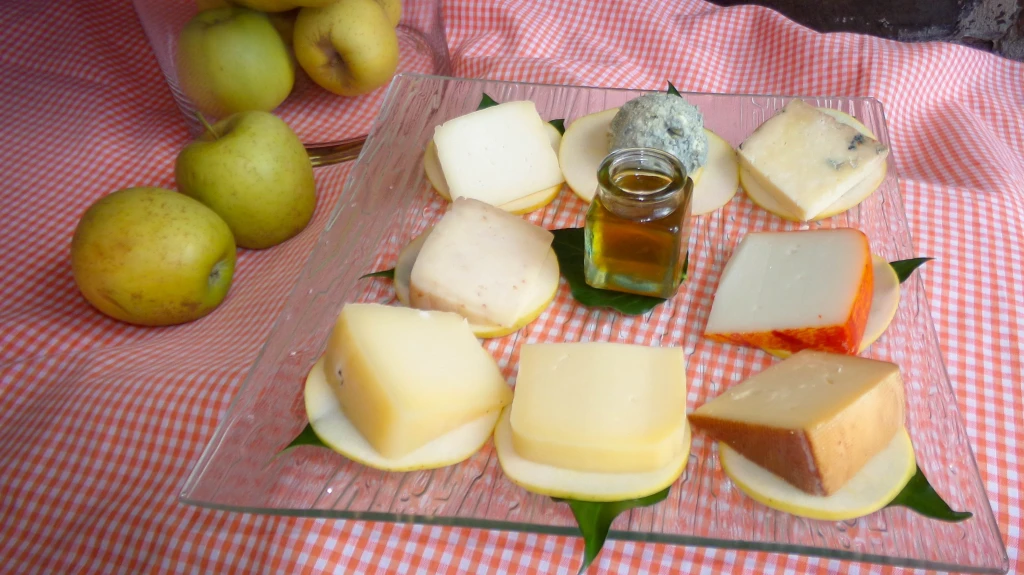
{"x": 151, "y": 256}
{"x": 254, "y": 172}
{"x": 232, "y": 60}
{"x": 280, "y": 5}
{"x": 349, "y": 47}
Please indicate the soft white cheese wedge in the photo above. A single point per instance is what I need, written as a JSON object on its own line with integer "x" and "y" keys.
{"x": 498, "y": 154}
{"x": 405, "y": 377}
{"x": 795, "y": 290}
{"x": 605, "y": 407}
{"x": 814, "y": 419}
{"x": 806, "y": 159}
{"x": 479, "y": 262}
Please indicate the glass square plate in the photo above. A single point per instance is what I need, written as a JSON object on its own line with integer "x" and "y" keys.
{"x": 387, "y": 201}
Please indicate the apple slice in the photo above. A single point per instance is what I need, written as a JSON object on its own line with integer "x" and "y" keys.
{"x": 585, "y": 145}
{"x": 336, "y": 431}
{"x": 874, "y": 486}
{"x": 524, "y": 205}
{"x": 885, "y": 300}
{"x": 582, "y": 485}
{"x": 541, "y": 296}
{"x": 850, "y": 199}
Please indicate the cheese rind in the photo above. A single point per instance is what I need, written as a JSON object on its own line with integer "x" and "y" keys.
{"x": 479, "y": 262}
{"x": 405, "y": 377}
{"x": 808, "y": 289}
{"x": 814, "y": 419}
{"x": 600, "y": 406}
{"x": 498, "y": 154}
{"x": 806, "y": 159}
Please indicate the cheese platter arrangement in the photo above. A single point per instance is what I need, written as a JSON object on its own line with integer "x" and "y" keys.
{"x": 694, "y": 317}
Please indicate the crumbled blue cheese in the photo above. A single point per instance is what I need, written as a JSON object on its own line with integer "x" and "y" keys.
{"x": 663, "y": 121}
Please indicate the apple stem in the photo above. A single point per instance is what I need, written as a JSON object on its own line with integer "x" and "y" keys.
{"x": 206, "y": 124}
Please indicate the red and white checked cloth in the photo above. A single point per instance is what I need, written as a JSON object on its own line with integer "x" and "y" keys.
{"x": 100, "y": 422}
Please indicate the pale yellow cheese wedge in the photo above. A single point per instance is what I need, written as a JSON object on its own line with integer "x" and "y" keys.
{"x": 405, "y": 377}
{"x": 525, "y": 205}
{"x": 582, "y": 485}
{"x": 338, "y": 432}
{"x": 542, "y": 293}
{"x": 885, "y": 300}
{"x": 814, "y": 419}
{"x": 857, "y": 194}
{"x": 872, "y": 488}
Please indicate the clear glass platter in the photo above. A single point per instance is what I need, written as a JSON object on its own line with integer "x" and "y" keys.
{"x": 387, "y": 201}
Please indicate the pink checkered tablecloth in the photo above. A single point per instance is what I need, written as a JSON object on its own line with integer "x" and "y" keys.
{"x": 100, "y": 422}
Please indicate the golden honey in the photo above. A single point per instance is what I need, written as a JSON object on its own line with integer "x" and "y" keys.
{"x": 638, "y": 224}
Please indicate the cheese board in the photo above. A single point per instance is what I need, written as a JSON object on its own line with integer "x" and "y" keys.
{"x": 387, "y": 202}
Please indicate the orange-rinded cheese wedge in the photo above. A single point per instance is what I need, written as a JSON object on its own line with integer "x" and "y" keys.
{"x": 808, "y": 289}
{"x": 814, "y": 419}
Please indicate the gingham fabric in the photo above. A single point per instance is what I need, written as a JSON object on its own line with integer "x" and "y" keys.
{"x": 100, "y": 422}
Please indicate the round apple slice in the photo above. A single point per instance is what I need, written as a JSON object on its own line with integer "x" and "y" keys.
{"x": 857, "y": 194}
{"x": 337, "y": 432}
{"x": 877, "y": 484}
{"x": 524, "y": 205}
{"x": 885, "y": 300}
{"x": 542, "y": 294}
{"x": 582, "y": 485}
{"x": 585, "y": 145}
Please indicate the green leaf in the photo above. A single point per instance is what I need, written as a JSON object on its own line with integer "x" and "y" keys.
{"x": 390, "y": 274}
{"x": 305, "y": 437}
{"x": 486, "y": 102}
{"x": 594, "y": 520}
{"x": 672, "y": 90}
{"x": 559, "y": 125}
{"x": 569, "y": 248}
{"x": 920, "y": 496}
{"x": 904, "y": 268}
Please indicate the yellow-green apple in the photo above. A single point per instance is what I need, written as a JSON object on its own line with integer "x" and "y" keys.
{"x": 232, "y": 60}
{"x": 254, "y": 172}
{"x": 151, "y": 256}
{"x": 393, "y": 8}
{"x": 280, "y": 5}
{"x": 349, "y": 47}
{"x": 211, "y": 4}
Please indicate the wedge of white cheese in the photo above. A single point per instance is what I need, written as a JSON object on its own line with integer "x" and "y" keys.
{"x": 497, "y": 155}
{"x": 806, "y": 159}
{"x": 809, "y": 289}
{"x": 480, "y": 262}
{"x": 814, "y": 419}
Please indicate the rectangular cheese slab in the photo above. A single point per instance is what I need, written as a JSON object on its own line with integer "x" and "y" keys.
{"x": 600, "y": 406}
{"x": 789, "y": 291}
{"x": 480, "y": 262}
{"x": 806, "y": 159}
{"x": 404, "y": 377}
{"x": 814, "y": 419}
{"x": 498, "y": 154}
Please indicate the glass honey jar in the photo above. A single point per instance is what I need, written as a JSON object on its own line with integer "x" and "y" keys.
{"x": 638, "y": 224}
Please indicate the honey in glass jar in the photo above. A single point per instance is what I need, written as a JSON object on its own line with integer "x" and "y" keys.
{"x": 638, "y": 224}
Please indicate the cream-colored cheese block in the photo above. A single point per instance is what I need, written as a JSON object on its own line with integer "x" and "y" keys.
{"x": 814, "y": 419}
{"x": 604, "y": 407}
{"x": 498, "y": 154}
{"x": 808, "y": 289}
{"x": 806, "y": 159}
{"x": 336, "y": 430}
{"x": 405, "y": 377}
{"x": 479, "y": 262}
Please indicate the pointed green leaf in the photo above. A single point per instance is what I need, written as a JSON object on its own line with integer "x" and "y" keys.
{"x": 305, "y": 437}
{"x": 559, "y": 125}
{"x": 920, "y": 496}
{"x": 389, "y": 274}
{"x": 594, "y": 520}
{"x": 672, "y": 90}
{"x": 486, "y": 102}
{"x": 686, "y": 267}
{"x": 569, "y": 249}
{"x": 904, "y": 268}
